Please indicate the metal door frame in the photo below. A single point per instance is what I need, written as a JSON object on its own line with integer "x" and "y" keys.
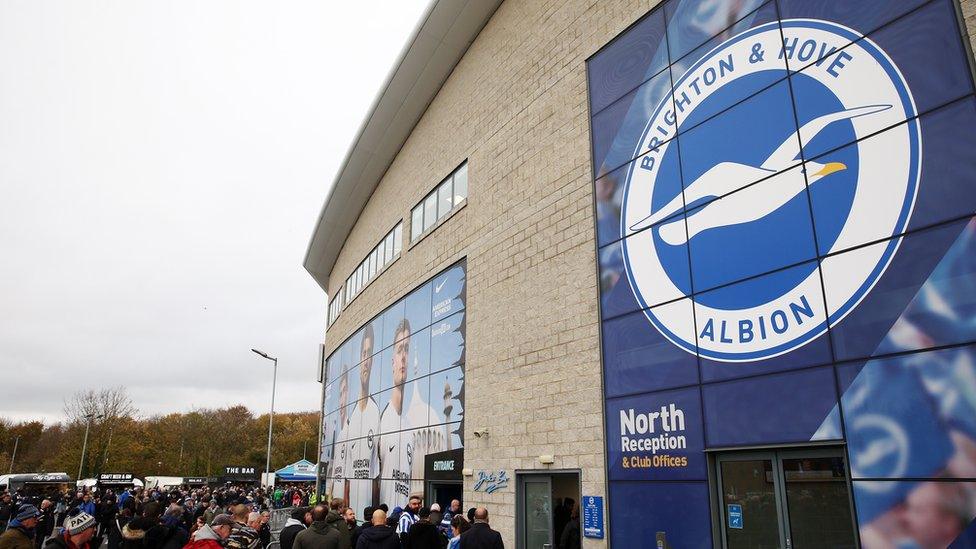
{"x": 531, "y": 475}
{"x": 776, "y": 457}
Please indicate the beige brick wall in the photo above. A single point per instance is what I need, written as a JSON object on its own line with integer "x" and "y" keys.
{"x": 516, "y": 107}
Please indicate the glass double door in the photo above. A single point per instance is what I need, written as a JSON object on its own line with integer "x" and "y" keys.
{"x": 796, "y": 499}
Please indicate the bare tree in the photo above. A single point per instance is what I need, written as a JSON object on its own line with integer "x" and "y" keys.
{"x": 106, "y": 409}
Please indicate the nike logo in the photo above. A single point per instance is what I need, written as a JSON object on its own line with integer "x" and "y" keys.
{"x": 437, "y": 289}
{"x": 392, "y": 447}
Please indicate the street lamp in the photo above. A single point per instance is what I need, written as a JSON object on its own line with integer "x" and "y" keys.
{"x": 84, "y": 447}
{"x": 274, "y": 382}
{"x": 14, "y": 455}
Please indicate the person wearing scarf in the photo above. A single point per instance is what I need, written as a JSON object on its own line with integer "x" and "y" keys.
{"x": 20, "y": 531}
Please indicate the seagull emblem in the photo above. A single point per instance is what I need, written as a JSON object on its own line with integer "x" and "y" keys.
{"x": 751, "y": 203}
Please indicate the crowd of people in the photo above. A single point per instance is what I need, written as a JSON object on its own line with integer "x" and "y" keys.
{"x": 412, "y": 527}
{"x": 232, "y": 517}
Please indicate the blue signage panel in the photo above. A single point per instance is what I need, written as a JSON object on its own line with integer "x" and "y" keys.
{"x": 735, "y": 516}
{"x": 783, "y": 221}
{"x": 593, "y": 517}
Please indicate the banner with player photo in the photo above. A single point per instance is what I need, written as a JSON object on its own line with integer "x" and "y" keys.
{"x": 394, "y": 394}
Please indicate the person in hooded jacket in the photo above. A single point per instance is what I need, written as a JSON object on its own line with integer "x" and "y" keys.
{"x": 321, "y": 534}
{"x": 212, "y": 536}
{"x": 380, "y": 535}
{"x": 335, "y": 520}
{"x": 168, "y": 532}
{"x": 21, "y": 529}
{"x": 132, "y": 535}
{"x": 424, "y": 534}
{"x": 299, "y": 520}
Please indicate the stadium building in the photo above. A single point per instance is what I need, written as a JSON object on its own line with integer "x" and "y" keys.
{"x": 705, "y": 267}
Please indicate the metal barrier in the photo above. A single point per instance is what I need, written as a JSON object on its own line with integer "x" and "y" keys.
{"x": 277, "y": 523}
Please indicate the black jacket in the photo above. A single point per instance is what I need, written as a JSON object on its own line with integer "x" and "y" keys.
{"x": 570, "y": 538}
{"x": 481, "y": 536}
{"x": 287, "y": 536}
{"x": 424, "y": 535}
{"x": 378, "y": 537}
{"x": 166, "y": 537}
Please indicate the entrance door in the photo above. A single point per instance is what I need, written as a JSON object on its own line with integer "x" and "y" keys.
{"x": 537, "y": 512}
{"x": 442, "y": 493}
{"x": 795, "y": 499}
{"x": 544, "y": 507}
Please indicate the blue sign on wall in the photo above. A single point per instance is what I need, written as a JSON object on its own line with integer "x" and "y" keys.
{"x": 593, "y": 517}
{"x": 814, "y": 238}
{"x": 734, "y": 519}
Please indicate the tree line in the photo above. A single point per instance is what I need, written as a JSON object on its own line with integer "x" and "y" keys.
{"x": 196, "y": 443}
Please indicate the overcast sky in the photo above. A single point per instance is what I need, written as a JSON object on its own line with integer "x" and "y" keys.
{"x": 162, "y": 165}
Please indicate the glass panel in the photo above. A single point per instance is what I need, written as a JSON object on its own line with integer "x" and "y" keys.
{"x": 461, "y": 183}
{"x": 638, "y": 357}
{"x": 538, "y": 515}
{"x": 748, "y": 487}
{"x": 397, "y": 238}
{"x": 915, "y": 514}
{"x": 818, "y": 503}
{"x": 388, "y": 248}
{"x": 381, "y": 255}
{"x": 416, "y": 223}
{"x": 792, "y": 418}
{"x": 680, "y": 509}
{"x": 430, "y": 210}
{"x": 627, "y": 61}
{"x": 444, "y": 199}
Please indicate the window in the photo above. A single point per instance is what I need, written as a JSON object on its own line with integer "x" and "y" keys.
{"x": 335, "y": 307}
{"x": 388, "y": 248}
{"x": 445, "y": 198}
{"x": 430, "y": 211}
{"x": 461, "y": 184}
{"x": 376, "y": 260}
{"x": 416, "y": 223}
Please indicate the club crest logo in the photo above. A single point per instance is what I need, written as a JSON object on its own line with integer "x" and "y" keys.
{"x": 774, "y": 169}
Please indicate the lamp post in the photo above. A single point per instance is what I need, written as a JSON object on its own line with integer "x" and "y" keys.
{"x": 274, "y": 382}
{"x": 14, "y": 455}
{"x": 84, "y": 447}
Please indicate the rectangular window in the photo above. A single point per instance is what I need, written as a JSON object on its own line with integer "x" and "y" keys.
{"x": 388, "y": 248}
{"x": 445, "y": 202}
{"x": 430, "y": 211}
{"x": 461, "y": 184}
{"x": 378, "y": 258}
{"x": 440, "y": 202}
{"x": 416, "y": 222}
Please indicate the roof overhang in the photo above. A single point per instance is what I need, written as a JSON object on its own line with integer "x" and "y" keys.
{"x": 444, "y": 34}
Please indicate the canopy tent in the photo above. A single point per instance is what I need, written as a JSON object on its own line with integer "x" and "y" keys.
{"x": 300, "y": 471}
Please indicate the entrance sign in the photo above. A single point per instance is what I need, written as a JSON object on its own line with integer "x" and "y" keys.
{"x": 593, "y": 517}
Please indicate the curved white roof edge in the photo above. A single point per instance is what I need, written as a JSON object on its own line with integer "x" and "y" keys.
{"x": 442, "y": 37}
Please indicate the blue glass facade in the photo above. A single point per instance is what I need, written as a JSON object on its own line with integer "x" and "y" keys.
{"x": 785, "y": 194}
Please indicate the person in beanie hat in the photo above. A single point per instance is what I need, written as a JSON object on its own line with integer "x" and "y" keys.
{"x": 20, "y": 531}
{"x": 79, "y": 532}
